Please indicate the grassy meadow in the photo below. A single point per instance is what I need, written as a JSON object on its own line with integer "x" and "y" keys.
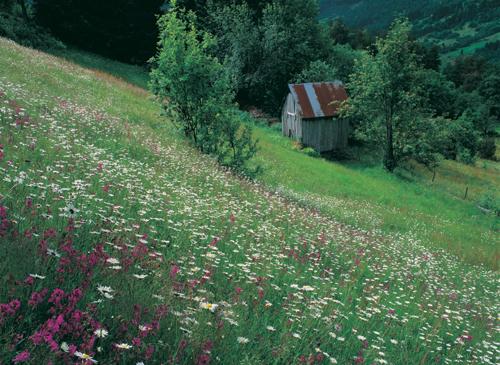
{"x": 122, "y": 244}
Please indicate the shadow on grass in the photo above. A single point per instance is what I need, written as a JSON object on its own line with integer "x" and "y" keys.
{"x": 134, "y": 74}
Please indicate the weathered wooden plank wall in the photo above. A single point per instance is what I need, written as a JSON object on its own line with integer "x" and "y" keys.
{"x": 325, "y": 134}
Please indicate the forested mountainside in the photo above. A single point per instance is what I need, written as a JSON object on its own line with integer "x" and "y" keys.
{"x": 457, "y": 26}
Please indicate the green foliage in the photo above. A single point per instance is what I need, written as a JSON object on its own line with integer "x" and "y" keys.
{"x": 478, "y": 96}
{"x": 202, "y": 7}
{"x": 440, "y": 94}
{"x": 340, "y": 33}
{"x": 459, "y": 139}
{"x": 317, "y": 71}
{"x": 237, "y": 42}
{"x": 465, "y": 156}
{"x": 196, "y": 91}
{"x": 343, "y": 57}
{"x": 489, "y": 89}
{"x": 466, "y": 72}
{"x": 386, "y": 98}
{"x": 291, "y": 37}
{"x": 490, "y": 201}
{"x": 427, "y": 57}
{"x": 15, "y": 25}
{"x": 311, "y": 152}
{"x": 487, "y": 148}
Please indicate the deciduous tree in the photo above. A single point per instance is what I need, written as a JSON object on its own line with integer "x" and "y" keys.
{"x": 386, "y": 98}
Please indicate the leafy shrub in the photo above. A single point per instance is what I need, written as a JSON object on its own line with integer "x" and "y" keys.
{"x": 27, "y": 34}
{"x": 491, "y": 202}
{"x": 466, "y": 156}
{"x": 310, "y": 152}
{"x": 457, "y": 139}
{"x": 196, "y": 92}
{"x": 487, "y": 148}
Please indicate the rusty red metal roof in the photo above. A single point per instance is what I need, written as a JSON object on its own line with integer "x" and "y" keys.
{"x": 319, "y": 99}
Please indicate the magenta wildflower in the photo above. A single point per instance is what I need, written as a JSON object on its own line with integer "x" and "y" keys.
{"x": 149, "y": 352}
{"x": 3, "y": 212}
{"x": 10, "y": 309}
{"x": 56, "y": 297}
{"x": 37, "y": 297}
{"x": 21, "y": 357}
{"x": 173, "y": 271}
{"x": 203, "y": 359}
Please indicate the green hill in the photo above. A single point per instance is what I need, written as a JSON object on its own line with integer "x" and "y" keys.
{"x": 456, "y": 26}
{"x": 120, "y": 242}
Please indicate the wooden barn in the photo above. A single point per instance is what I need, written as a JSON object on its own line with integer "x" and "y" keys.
{"x": 310, "y": 115}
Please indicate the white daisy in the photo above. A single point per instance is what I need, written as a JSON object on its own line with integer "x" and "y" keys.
{"x": 36, "y": 276}
{"x": 209, "y": 306}
{"x": 101, "y": 332}
{"x": 307, "y": 288}
{"x": 123, "y": 346}
{"x": 85, "y": 357}
{"x": 65, "y": 346}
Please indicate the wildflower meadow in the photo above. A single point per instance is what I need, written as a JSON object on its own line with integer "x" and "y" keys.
{"x": 121, "y": 244}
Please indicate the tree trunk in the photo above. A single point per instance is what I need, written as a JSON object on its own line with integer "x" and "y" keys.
{"x": 389, "y": 160}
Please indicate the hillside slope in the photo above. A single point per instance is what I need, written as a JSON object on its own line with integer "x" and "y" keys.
{"x": 456, "y": 26}
{"x": 121, "y": 243}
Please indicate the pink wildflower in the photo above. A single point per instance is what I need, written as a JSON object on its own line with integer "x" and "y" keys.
{"x": 203, "y": 359}
{"x": 37, "y": 297}
{"x": 56, "y": 297}
{"x": 21, "y": 357}
{"x": 136, "y": 341}
{"x": 173, "y": 271}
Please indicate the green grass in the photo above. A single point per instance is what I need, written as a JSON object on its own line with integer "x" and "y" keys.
{"x": 407, "y": 203}
{"x": 135, "y": 75}
{"x": 91, "y": 171}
